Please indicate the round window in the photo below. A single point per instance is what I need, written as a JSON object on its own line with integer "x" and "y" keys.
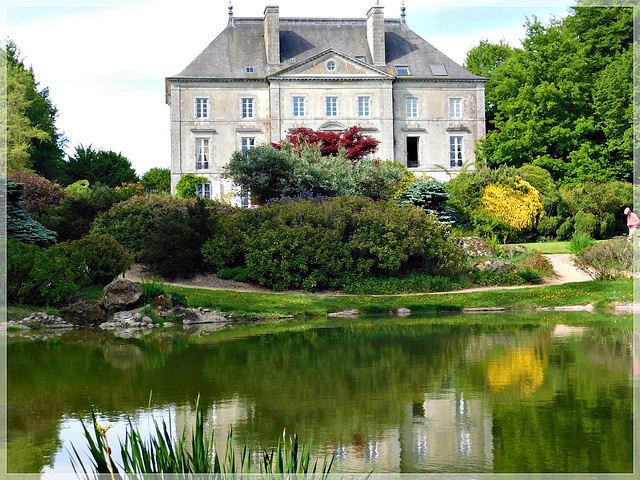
{"x": 331, "y": 65}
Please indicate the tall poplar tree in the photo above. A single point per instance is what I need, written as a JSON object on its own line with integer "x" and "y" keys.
{"x": 33, "y": 141}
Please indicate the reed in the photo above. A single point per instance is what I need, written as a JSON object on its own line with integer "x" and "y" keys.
{"x": 163, "y": 454}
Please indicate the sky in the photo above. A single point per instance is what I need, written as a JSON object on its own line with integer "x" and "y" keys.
{"x": 105, "y": 61}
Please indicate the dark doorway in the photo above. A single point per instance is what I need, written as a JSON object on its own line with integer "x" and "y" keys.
{"x": 412, "y": 152}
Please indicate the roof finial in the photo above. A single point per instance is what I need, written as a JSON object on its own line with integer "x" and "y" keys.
{"x": 402, "y": 9}
{"x": 230, "y": 7}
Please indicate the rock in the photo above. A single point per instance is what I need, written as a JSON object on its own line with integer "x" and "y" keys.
{"x": 511, "y": 250}
{"x": 353, "y": 313}
{"x": 147, "y": 320}
{"x": 168, "y": 324}
{"x": 626, "y": 307}
{"x": 490, "y": 264}
{"x": 46, "y": 320}
{"x": 474, "y": 246}
{"x": 84, "y": 312}
{"x": 575, "y": 308}
{"x": 400, "y": 312}
{"x": 121, "y": 294}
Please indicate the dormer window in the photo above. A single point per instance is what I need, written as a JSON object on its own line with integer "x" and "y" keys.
{"x": 331, "y": 66}
{"x": 438, "y": 70}
{"x": 361, "y": 58}
{"x": 403, "y": 71}
{"x": 249, "y": 70}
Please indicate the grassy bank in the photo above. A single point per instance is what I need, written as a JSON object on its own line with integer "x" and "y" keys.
{"x": 600, "y": 294}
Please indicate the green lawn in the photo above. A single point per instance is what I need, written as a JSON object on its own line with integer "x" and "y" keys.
{"x": 548, "y": 248}
{"x": 598, "y": 293}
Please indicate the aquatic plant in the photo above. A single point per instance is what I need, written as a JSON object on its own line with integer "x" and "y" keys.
{"x": 187, "y": 456}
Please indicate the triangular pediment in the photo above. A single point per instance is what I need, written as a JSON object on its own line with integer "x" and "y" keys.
{"x": 331, "y": 64}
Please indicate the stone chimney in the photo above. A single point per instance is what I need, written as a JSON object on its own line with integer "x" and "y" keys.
{"x": 272, "y": 34}
{"x": 375, "y": 34}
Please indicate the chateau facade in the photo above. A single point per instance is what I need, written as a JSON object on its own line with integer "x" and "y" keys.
{"x": 263, "y": 77}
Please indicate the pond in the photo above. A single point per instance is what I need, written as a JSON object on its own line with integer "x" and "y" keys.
{"x": 462, "y": 393}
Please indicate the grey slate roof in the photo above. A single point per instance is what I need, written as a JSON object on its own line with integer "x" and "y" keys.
{"x": 242, "y": 44}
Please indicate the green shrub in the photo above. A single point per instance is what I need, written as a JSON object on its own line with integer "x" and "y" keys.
{"x": 607, "y": 260}
{"x": 226, "y": 247}
{"x": 38, "y": 276}
{"x": 97, "y": 259}
{"x": 530, "y": 275}
{"x": 72, "y": 219}
{"x": 133, "y": 221}
{"x": 173, "y": 249}
{"x": 538, "y": 262}
{"x": 152, "y": 287}
{"x": 239, "y": 274}
{"x": 179, "y": 298}
{"x": 580, "y": 241}
{"x": 157, "y": 180}
{"x": 565, "y": 230}
{"x": 584, "y": 222}
{"x": 601, "y": 199}
{"x": 313, "y": 245}
{"x": 607, "y": 225}
{"x": 186, "y": 186}
{"x": 547, "y": 226}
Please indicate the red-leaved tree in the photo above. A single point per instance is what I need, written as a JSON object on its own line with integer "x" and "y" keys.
{"x": 353, "y": 141}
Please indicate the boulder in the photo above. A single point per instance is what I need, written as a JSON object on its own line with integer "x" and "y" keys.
{"x": 474, "y": 246}
{"x": 353, "y": 313}
{"x": 512, "y": 250}
{"x": 121, "y": 294}
{"x": 400, "y": 312}
{"x": 84, "y": 313}
{"x": 490, "y": 264}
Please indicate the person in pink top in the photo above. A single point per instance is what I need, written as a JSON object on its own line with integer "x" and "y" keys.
{"x": 632, "y": 222}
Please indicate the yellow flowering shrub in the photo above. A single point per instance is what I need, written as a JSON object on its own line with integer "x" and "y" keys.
{"x": 519, "y": 206}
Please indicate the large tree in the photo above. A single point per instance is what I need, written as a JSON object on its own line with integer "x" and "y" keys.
{"x": 33, "y": 140}
{"x": 483, "y": 60}
{"x": 564, "y": 101}
{"x": 100, "y": 166}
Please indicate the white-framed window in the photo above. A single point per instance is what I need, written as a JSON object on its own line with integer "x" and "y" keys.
{"x": 412, "y": 107}
{"x": 332, "y": 106}
{"x": 455, "y": 151}
{"x": 247, "y": 108}
{"x": 455, "y": 107}
{"x": 298, "y": 107}
{"x": 202, "y": 153}
{"x": 332, "y": 66}
{"x": 202, "y": 108}
{"x": 364, "y": 106}
{"x": 203, "y": 190}
{"x": 403, "y": 71}
{"x": 249, "y": 69}
{"x": 247, "y": 143}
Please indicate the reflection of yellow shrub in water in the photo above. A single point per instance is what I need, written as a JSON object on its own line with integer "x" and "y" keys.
{"x": 521, "y": 368}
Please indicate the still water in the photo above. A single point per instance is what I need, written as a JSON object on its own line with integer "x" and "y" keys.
{"x": 542, "y": 393}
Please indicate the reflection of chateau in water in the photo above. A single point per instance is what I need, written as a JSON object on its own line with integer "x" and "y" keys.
{"x": 445, "y": 433}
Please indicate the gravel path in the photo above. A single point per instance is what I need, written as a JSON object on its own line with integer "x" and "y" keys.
{"x": 566, "y": 272}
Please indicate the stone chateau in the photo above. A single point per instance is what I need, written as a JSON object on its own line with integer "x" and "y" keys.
{"x": 263, "y": 77}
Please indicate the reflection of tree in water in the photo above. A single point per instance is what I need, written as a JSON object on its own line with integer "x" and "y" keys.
{"x": 522, "y": 368}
